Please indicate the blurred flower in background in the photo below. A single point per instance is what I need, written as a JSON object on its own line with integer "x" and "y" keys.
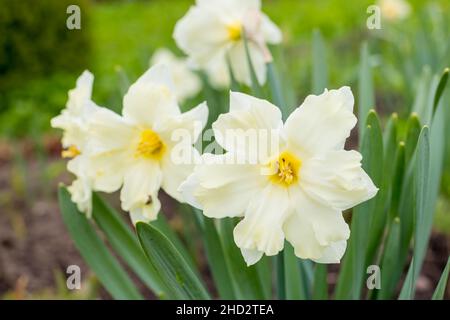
{"x": 212, "y": 35}
{"x": 393, "y": 10}
{"x": 186, "y": 82}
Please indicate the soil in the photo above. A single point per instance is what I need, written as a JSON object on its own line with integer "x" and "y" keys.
{"x": 35, "y": 245}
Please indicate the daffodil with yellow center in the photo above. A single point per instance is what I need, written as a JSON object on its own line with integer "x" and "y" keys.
{"x": 212, "y": 32}
{"x": 134, "y": 152}
{"x": 150, "y": 145}
{"x": 286, "y": 169}
{"x": 73, "y": 121}
{"x": 296, "y": 189}
{"x": 234, "y": 31}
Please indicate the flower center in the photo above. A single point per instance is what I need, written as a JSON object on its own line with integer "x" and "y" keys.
{"x": 150, "y": 145}
{"x": 234, "y": 31}
{"x": 70, "y": 152}
{"x": 286, "y": 168}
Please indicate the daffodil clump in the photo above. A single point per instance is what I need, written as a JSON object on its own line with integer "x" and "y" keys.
{"x": 262, "y": 187}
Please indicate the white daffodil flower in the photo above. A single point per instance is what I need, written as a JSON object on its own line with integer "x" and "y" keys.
{"x": 393, "y": 10}
{"x": 187, "y": 84}
{"x": 140, "y": 150}
{"x": 73, "y": 121}
{"x": 295, "y": 191}
{"x": 212, "y": 32}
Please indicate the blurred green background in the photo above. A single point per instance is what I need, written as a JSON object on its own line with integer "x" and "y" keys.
{"x": 40, "y": 60}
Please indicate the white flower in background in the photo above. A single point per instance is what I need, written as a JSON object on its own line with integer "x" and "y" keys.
{"x": 137, "y": 151}
{"x": 297, "y": 193}
{"x": 187, "y": 84}
{"x": 212, "y": 31}
{"x": 392, "y": 10}
{"x": 73, "y": 121}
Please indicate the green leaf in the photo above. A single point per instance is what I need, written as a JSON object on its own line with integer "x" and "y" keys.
{"x": 389, "y": 262}
{"x": 246, "y": 279}
{"x": 126, "y": 244}
{"x": 413, "y": 128}
{"x": 293, "y": 282}
{"x": 440, "y": 289}
{"x": 319, "y": 63}
{"x": 390, "y": 135}
{"x": 177, "y": 275}
{"x": 421, "y": 185}
{"x": 281, "y": 279}
{"x": 275, "y": 89}
{"x": 390, "y": 169}
{"x": 440, "y": 88}
{"x": 397, "y": 179}
{"x": 421, "y": 99}
{"x": 405, "y": 207}
{"x": 307, "y": 276}
{"x": 298, "y": 275}
{"x": 94, "y": 251}
{"x": 366, "y": 94}
{"x": 354, "y": 262}
{"x": 217, "y": 261}
{"x": 163, "y": 226}
{"x": 320, "y": 289}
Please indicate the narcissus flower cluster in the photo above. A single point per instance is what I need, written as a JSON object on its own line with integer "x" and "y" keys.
{"x": 287, "y": 181}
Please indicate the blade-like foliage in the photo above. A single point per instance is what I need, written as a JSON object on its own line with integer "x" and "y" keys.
{"x": 179, "y": 279}
{"x": 94, "y": 251}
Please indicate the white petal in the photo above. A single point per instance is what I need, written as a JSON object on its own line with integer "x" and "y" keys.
{"x": 73, "y": 119}
{"x": 108, "y": 170}
{"x": 146, "y": 213}
{"x": 108, "y": 131}
{"x": 217, "y": 71}
{"x": 337, "y": 179}
{"x": 185, "y": 127}
{"x": 221, "y": 189}
{"x": 251, "y": 124}
{"x": 262, "y": 226}
{"x": 80, "y": 94}
{"x": 189, "y": 189}
{"x": 251, "y": 256}
{"x": 81, "y": 194}
{"x": 322, "y": 123}
{"x": 272, "y": 34}
{"x": 85, "y": 83}
{"x": 333, "y": 253}
{"x": 150, "y": 98}
{"x": 239, "y": 63}
{"x": 312, "y": 227}
{"x": 81, "y": 187}
{"x": 176, "y": 171}
{"x": 141, "y": 181}
{"x": 202, "y": 34}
